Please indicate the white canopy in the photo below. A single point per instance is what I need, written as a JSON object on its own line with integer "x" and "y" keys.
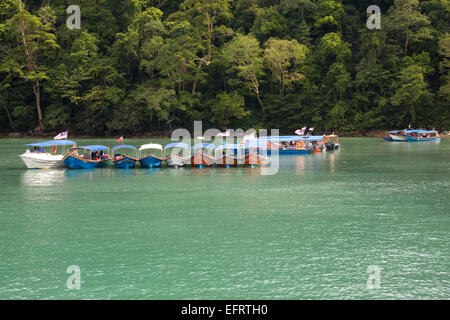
{"x": 151, "y": 146}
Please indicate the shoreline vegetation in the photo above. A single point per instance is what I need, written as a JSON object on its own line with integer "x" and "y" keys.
{"x": 130, "y": 67}
{"x": 166, "y": 135}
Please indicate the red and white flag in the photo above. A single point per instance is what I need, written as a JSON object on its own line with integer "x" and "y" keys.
{"x": 120, "y": 140}
{"x": 62, "y": 135}
{"x": 301, "y": 131}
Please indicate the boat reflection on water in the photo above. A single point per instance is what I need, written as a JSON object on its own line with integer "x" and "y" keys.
{"x": 154, "y": 171}
{"x": 299, "y": 165}
{"x": 43, "y": 178}
{"x": 79, "y": 173}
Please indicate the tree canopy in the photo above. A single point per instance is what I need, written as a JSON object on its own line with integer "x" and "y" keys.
{"x": 140, "y": 66}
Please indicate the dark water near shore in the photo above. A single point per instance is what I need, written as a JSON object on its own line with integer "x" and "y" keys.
{"x": 308, "y": 232}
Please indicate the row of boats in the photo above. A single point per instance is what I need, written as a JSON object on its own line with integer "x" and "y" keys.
{"x": 252, "y": 152}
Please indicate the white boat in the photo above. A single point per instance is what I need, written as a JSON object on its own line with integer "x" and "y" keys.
{"x": 395, "y": 136}
{"x": 40, "y": 158}
{"x": 175, "y": 157}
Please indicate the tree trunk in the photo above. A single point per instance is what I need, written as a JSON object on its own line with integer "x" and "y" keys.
{"x": 406, "y": 42}
{"x": 9, "y": 115}
{"x": 260, "y": 102}
{"x": 194, "y": 85}
{"x": 37, "y": 93}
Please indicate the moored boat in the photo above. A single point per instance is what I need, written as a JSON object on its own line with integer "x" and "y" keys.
{"x": 40, "y": 158}
{"x": 422, "y": 135}
{"x": 202, "y": 155}
{"x": 175, "y": 151}
{"x": 297, "y": 145}
{"x": 87, "y": 157}
{"x": 225, "y": 155}
{"x": 331, "y": 142}
{"x": 124, "y": 161}
{"x": 255, "y": 152}
{"x": 151, "y": 160}
{"x": 395, "y": 136}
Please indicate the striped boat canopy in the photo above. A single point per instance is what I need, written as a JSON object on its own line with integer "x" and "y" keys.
{"x": 419, "y": 131}
{"x": 286, "y": 139}
{"x": 123, "y": 146}
{"x": 94, "y": 147}
{"x": 51, "y": 143}
{"x": 177, "y": 145}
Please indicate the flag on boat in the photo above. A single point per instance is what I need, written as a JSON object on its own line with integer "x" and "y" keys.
{"x": 301, "y": 131}
{"x": 61, "y": 135}
{"x": 120, "y": 140}
{"x": 223, "y": 134}
{"x": 311, "y": 130}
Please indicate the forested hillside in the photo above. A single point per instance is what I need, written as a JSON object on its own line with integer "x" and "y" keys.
{"x": 139, "y": 66}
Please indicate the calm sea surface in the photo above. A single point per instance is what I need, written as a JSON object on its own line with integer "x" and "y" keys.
{"x": 309, "y": 232}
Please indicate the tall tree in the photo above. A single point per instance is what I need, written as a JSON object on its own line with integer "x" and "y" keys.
{"x": 406, "y": 19}
{"x": 33, "y": 40}
{"x": 285, "y": 59}
{"x": 245, "y": 56}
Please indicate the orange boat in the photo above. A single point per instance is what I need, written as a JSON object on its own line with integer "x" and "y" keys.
{"x": 202, "y": 159}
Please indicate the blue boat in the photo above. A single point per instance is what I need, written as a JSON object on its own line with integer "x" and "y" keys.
{"x": 151, "y": 160}
{"x": 123, "y": 161}
{"x": 422, "y": 135}
{"x": 296, "y": 145}
{"x": 87, "y": 157}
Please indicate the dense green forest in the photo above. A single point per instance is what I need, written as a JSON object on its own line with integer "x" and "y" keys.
{"x": 139, "y": 66}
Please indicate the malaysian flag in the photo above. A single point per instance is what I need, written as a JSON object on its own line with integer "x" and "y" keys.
{"x": 301, "y": 131}
{"x": 62, "y": 135}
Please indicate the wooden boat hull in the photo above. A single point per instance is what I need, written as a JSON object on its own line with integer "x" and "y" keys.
{"x": 150, "y": 162}
{"x": 125, "y": 163}
{"x": 75, "y": 162}
{"x": 42, "y": 160}
{"x": 252, "y": 159}
{"x": 200, "y": 160}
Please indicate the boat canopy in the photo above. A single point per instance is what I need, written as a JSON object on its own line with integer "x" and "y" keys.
{"x": 228, "y": 146}
{"x": 419, "y": 131}
{"x": 93, "y": 148}
{"x": 177, "y": 145}
{"x": 151, "y": 146}
{"x": 204, "y": 146}
{"x": 51, "y": 143}
{"x": 286, "y": 138}
{"x": 123, "y": 146}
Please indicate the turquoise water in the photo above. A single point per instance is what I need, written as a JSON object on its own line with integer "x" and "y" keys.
{"x": 308, "y": 232}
